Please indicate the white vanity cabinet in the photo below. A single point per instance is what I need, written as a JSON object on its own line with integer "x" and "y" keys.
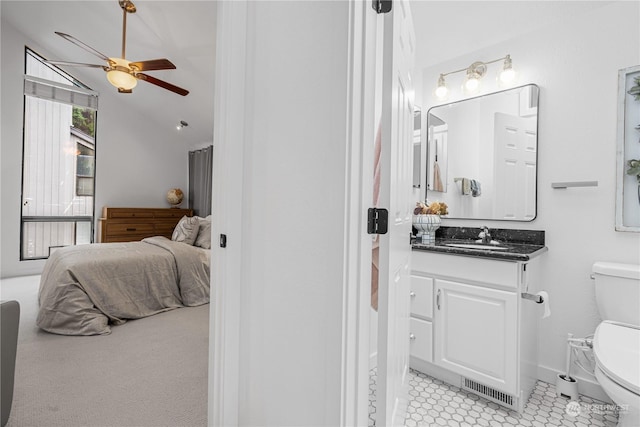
{"x": 483, "y": 334}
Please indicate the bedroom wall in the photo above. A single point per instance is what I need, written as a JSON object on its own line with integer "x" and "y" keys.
{"x": 136, "y": 161}
{"x": 576, "y": 65}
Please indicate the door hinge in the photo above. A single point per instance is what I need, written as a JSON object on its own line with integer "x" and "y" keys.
{"x": 381, "y": 6}
{"x": 377, "y": 221}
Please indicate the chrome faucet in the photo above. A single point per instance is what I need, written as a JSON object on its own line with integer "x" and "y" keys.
{"x": 485, "y": 236}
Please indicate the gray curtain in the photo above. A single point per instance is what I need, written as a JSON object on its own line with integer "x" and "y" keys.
{"x": 200, "y": 180}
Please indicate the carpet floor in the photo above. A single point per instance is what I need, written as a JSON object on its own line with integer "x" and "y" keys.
{"x": 147, "y": 372}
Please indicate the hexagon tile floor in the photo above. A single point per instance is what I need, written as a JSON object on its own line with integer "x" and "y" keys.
{"x": 435, "y": 403}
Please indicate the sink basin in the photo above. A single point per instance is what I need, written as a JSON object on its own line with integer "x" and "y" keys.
{"x": 477, "y": 246}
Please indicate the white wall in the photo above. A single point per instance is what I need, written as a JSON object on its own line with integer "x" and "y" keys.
{"x": 575, "y": 63}
{"x": 136, "y": 163}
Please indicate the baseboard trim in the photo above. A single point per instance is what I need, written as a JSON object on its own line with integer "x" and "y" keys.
{"x": 586, "y": 386}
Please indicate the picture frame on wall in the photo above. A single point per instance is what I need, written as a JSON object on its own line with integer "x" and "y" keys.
{"x": 628, "y": 151}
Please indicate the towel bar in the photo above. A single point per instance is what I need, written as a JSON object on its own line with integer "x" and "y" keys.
{"x": 574, "y": 184}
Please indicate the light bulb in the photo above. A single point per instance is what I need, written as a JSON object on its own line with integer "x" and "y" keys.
{"x": 472, "y": 84}
{"x": 441, "y": 91}
{"x": 508, "y": 74}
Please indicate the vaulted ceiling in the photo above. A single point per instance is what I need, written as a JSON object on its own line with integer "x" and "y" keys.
{"x": 181, "y": 31}
{"x": 184, "y": 32}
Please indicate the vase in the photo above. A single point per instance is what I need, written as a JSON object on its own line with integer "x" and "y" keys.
{"x": 426, "y": 226}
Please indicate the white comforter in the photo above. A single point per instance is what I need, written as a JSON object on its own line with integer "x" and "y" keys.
{"x": 85, "y": 288}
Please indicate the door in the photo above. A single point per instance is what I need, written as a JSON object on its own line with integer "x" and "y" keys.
{"x": 396, "y": 194}
{"x": 515, "y": 160}
{"x": 476, "y": 333}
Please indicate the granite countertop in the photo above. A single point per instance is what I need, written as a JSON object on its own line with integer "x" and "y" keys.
{"x": 522, "y": 244}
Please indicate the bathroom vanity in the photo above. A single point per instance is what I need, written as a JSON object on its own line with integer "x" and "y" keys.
{"x": 474, "y": 313}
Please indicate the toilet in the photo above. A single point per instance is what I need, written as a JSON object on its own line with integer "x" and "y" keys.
{"x": 616, "y": 342}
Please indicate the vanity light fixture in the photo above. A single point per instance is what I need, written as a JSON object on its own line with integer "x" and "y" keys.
{"x": 475, "y": 72}
{"x": 182, "y": 124}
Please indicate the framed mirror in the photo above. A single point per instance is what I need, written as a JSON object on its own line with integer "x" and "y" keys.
{"x": 482, "y": 155}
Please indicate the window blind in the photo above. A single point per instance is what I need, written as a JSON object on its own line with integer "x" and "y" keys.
{"x": 54, "y": 91}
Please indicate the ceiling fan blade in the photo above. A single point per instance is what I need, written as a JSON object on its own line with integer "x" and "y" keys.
{"x": 162, "y": 84}
{"x": 153, "y": 64}
{"x": 82, "y": 45}
{"x": 74, "y": 64}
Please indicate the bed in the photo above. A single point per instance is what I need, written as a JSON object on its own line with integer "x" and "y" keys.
{"x": 86, "y": 289}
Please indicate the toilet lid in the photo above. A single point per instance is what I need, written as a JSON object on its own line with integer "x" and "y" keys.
{"x": 617, "y": 351}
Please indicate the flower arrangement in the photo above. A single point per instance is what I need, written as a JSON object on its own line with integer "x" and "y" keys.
{"x": 433, "y": 208}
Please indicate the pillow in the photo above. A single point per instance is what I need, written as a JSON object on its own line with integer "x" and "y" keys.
{"x": 186, "y": 230}
{"x": 204, "y": 233}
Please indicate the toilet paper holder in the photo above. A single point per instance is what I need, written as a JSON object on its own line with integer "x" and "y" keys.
{"x": 533, "y": 297}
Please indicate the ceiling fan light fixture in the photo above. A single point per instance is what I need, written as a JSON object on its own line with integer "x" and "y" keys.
{"x": 119, "y": 74}
{"x": 121, "y": 79}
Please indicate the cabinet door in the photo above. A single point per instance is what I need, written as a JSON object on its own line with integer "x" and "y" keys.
{"x": 421, "y": 339}
{"x": 422, "y": 296}
{"x": 476, "y": 333}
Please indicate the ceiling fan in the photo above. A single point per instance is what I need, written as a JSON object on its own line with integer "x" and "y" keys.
{"x": 122, "y": 73}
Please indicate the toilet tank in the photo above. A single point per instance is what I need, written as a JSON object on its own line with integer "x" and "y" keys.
{"x": 617, "y": 289}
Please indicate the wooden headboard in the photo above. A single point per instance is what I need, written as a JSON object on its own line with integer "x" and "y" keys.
{"x": 133, "y": 224}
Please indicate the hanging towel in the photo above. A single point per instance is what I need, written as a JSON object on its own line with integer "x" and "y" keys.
{"x": 437, "y": 181}
{"x": 476, "y": 189}
{"x": 466, "y": 186}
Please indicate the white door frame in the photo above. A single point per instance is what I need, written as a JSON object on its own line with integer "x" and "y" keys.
{"x": 229, "y": 113}
{"x": 233, "y": 35}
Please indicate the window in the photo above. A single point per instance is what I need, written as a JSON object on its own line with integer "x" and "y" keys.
{"x": 85, "y": 164}
{"x": 58, "y": 165}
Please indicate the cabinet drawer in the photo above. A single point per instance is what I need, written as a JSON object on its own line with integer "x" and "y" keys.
{"x": 172, "y": 213}
{"x": 129, "y": 213}
{"x": 422, "y": 296}
{"x": 125, "y": 229}
{"x": 421, "y": 339}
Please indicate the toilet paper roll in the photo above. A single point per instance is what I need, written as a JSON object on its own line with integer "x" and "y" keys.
{"x": 545, "y": 302}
